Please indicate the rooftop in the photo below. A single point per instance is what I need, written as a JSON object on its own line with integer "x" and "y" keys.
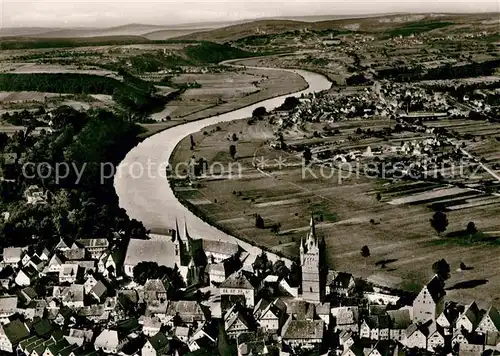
{"x": 221, "y": 247}
{"x": 303, "y": 329}
{"x": 237, "y": 280}
{"x": 159, "y": 251}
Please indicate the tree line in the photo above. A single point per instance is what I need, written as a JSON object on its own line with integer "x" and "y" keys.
{"x": 133, "y": 93}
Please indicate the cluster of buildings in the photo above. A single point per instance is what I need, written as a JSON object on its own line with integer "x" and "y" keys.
{"x": 80, "y": 298}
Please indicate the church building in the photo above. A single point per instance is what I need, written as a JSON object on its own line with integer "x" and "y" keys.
{"x": 310, "y": 262}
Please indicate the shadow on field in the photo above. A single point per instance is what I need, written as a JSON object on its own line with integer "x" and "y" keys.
{"x": 466, "y": 268}
{"x": 468, "y": 284}
{"x": 383, "y": 263}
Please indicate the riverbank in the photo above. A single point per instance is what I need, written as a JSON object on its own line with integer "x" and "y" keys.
{"x": 278, "y": 83}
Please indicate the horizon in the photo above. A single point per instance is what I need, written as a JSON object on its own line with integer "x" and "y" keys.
{"x": 78, "y": 14}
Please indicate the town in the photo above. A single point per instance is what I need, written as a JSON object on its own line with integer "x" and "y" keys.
{"x": 362, "y": 219}
{"x": 177, "y": 294}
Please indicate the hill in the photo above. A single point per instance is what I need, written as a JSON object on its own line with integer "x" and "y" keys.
{"x": 235, "y": 32}
{"x": 24, "y": 31}
{"x": 376, "y": 24}
{"x": 155, "y": 31}
{"x": 171, "y": 33}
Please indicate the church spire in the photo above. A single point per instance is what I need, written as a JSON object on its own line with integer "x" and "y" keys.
{"x": 177, "y": 234}
{"x": 311, "y": 236}
{"x": 301, "y": 250}
{"x": 186, "y": 235}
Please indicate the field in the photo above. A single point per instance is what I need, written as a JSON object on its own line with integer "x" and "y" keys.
{"x": 223, "y": 92}
{"x": 349, "y": 213}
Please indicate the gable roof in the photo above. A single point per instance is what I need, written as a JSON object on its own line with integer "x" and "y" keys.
{"x": 346, "y": 315}
{"x": 260, "y": 308}
{"x": 493, "y": 314}
{"x": 220, "y": 247}
{"x": 303, "y": 329}
{"x": 184, "y": 307}
{"x": 61, "y": 245}
{"x": 30, "y": 272}
{"x": 58, "y": 346}
{"x": 16, "y": 331}
{"x": 90, "y": 243}
{"x": 237, "y": 280}
{"x": 322, "y": 308}
{"x": 155, "y": 285}
{"x": 342, "y": 280}
{"x": 413, "y": 328}
{"x": 43, "y": 327}
{"x": 160, "y": 251}
{"x": 99, "y": 289}
{"x": 75, "y": 253}
{"x": 159, "y": 341}
{"x": 107, "y": 338}
{"x": 55, "y": 261}
{"x": 435, "y": 287}
{"x": 235, "y": 317}
{"x": 472, "y": 313}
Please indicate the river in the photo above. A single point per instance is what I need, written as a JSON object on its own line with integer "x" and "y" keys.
{"x": 141, "y": 184}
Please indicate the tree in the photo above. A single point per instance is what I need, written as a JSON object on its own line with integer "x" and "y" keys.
{"x": 365, "y": 252}
{"x": 471, "y": 228}
{"x": 295, "y": 275}
{"x": 234, "y": 137}
{"x": 290, "y": 103}
{"x": 439, "y": 222}
{"x": 379, "y": 197}
{"x": 232, "y": 151}
{"x": 442, "y": 269}
{"x": 193, "y": 144}
{"x": 259, "y": 112}
{"x": 307, "y": 155}
{"x": 143, "y": 271}
{"x": 259, "y": 222}
{"x": 262, "y": 263}
{"x": 280, "y": 269}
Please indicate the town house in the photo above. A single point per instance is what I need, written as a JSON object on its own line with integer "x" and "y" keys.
{"x": 490, "y": 323}
{"x": 239, "y": 283}
{"x": 429, "y": 303}
{"x": 303, "y": 333}
{"x": 469, "y": 319}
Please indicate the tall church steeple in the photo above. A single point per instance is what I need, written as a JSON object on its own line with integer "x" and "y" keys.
{"x": 310, "y": 265}
{"x": 177, "y": 233}
{"x": 312, "y": 240}
{"x": 186, "y": 235}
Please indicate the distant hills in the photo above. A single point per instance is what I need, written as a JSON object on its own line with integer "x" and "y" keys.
{"x": 379, "y": 23}
{"x": 229, "y": 31}
{"x": 148, "y": 31}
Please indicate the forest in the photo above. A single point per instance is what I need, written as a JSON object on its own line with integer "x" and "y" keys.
{"x": 133, "y": 93}
{"x": 79, "y": 203}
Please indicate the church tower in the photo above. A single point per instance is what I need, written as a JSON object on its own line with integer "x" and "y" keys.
{"x": 177, "y": 244}
{"x": 310, "y": 265}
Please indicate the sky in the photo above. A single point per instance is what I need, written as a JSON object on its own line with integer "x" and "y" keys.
{"x": 105, "y": 13}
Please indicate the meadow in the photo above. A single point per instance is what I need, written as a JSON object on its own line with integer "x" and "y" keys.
{"x": 348, "y": 212}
